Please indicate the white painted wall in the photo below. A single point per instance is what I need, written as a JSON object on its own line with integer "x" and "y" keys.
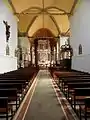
{"x": 80, "y": 34}
{"x": 24, "y": 43}
{"x": 7, "y": 63}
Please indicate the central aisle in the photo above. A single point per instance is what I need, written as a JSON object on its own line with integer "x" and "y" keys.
{"x": 44, "y": 104}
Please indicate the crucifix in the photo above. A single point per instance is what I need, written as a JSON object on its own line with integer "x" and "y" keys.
{"x": 7, "y": 30}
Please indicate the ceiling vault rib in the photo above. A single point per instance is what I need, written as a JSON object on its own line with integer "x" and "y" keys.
{"x": 30, "y": 8}
{"x": 50, "y": 7}
{"x": 74, "y": 4}
{"x": 54, "y": 7}
{"x": 45, "y": 9}
{"x": 53, "y": 19}
{"x": 30, "y": 24}
{"x": 42, "y": 37}
{"x": 10, "y": 2}
{"x": 67, "y": 31}
{"x": 38, "y": 13}
{"x": 57, "y": 13}
{"x": 42, "y": 10}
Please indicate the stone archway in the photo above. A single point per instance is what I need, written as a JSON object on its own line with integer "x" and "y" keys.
{"x": 44, "y": 43}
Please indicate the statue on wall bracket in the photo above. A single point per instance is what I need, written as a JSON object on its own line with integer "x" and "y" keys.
{"x": 7, "y": 36}
{"x": 7, "y": 50}
{"x": 80, "y": 49}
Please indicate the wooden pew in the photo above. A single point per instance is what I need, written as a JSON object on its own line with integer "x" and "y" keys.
{"x": 64, "y": 82}
{"x": 73, "y": 75}
{"x": 14, "y": 81}
{"x": 71, "y": 87}
{"x": 85, "y": 109}
{"x": 12, "y": 95}
{"x": 21, "y": 85}
{"x": 18, "y": 86}
{"x": 62, "y": 78}
{"x": 18, "y": 80}
{"x": 5, "y": 108}
{"x": 65, "y": 79}
{"x": 79, "y": 95}
{"x": 77, "y": 84}
{"x": 27, "y": 79}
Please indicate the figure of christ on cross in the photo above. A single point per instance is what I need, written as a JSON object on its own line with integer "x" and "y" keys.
{"x": 7, "y": 30}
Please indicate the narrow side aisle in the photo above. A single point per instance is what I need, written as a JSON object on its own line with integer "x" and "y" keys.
{"x": 44, "y": 104}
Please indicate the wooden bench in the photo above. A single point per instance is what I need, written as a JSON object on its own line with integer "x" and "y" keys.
{"x": 12, "y": 95}
{"x": 85, "y": 109}
{"x": 18, "y": 86}
{"x": 5, "y": 108}
{"x": 13, "y": 87}
{"x": 71, "y": 87}
{"x": 78, "y": 96}
{"x": 63, "y": 82}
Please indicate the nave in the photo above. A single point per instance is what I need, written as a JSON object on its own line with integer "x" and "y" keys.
{"x": 44, "y": 34}
{"x": 46, "y": 102}
{"x": 33, "y": 94}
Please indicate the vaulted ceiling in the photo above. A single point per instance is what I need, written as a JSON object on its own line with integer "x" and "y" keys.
{"x": 37, "y": 14}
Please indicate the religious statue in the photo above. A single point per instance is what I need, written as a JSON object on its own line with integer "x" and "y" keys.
{"x": 80, "y": 49}
{"x": 7, "y": 30}
{"x": 7, "y": 36}
{"x": 7, "y": 50}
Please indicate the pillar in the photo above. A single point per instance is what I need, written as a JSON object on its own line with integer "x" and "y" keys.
{"x": 58, "y": 48}
{"x": 36, "y": 54}
{"x": 31, "y": 53}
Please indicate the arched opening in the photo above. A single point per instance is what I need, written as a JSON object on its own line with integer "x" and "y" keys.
{"x": 44, "y": 42}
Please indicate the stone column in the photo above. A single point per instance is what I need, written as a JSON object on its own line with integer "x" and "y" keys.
{"x": 31, "y": 53}
{"x": 56, "y": 53}
{"x": 36, "y": 54}
{"x": 58, "y": 48}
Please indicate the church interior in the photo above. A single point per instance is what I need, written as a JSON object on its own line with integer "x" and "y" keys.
{"x": 44, "y": 60}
